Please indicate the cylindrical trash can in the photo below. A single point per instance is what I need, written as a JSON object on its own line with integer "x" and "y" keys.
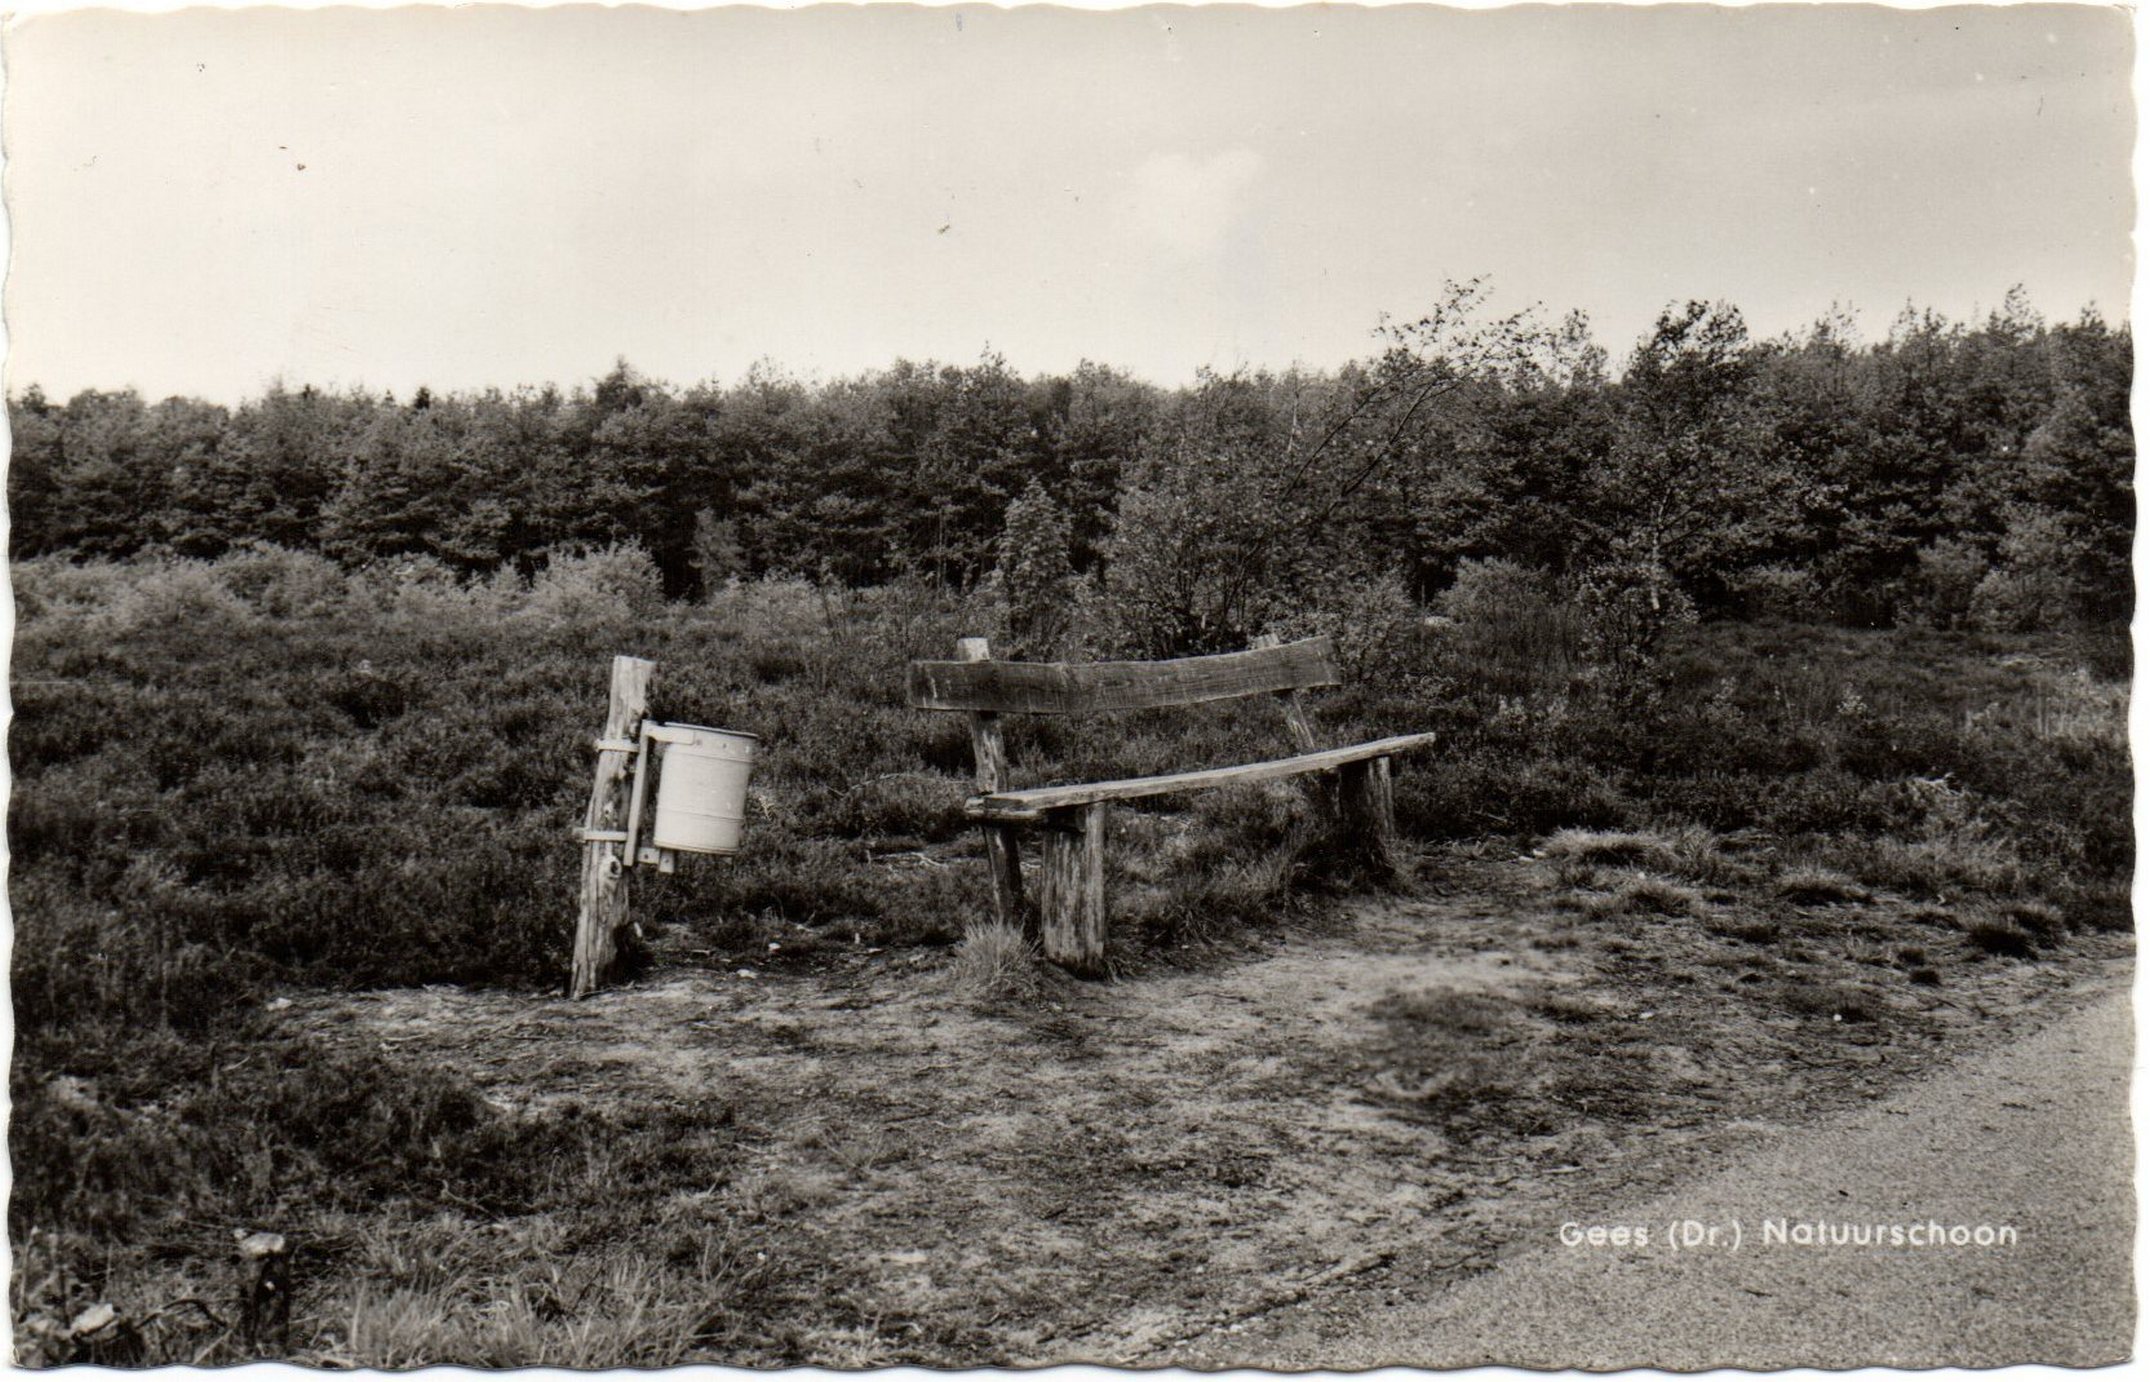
{"x": 702, "y": 789}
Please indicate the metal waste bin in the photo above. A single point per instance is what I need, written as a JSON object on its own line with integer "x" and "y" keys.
{"x": 702, "y": 788}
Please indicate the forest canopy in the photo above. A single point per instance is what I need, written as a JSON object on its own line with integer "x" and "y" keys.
{"x": 1950, "y": 472}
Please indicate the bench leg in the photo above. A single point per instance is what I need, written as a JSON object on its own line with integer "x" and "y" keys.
{"x": 1368, "y": 800}
{"x": 1004, "y": 861}
{"x": 1071, "y": 889}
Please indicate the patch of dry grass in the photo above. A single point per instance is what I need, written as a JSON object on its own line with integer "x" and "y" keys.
{"x": 1645, "y": 895}
{"x": 1837, "y": 1001}
{"x": 1810, "y": 886}
{"x": 1689, "y": 852}
{"x": 994, "y": 964}
{"x": 2042, "y": 920}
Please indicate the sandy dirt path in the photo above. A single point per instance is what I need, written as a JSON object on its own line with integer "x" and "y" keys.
{"x": 2034, "y": 1134}
{"x": 1275, "y": 1157}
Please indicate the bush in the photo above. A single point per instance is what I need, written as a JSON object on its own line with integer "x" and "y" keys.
{"x": 1944, "y": 589}
{"x": 2032, "y": 590}
{"x": 1778, "y": 592}
{"x": 1628, "y": 609}
{"x": 1996, "y": 937}
{"x": 1376, "y": 627}
{"x": 278, "y": 583}
{"x": 1179, "y": 574}
{"x": 2021, "y": 602}
{"x": 169, "y": 596}
{"x": 1472, "y": 791}
{"x": 1507, "y": 625}
{"x": 619, "y": 582}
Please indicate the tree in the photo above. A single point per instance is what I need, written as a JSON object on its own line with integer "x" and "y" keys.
{"x": 1095, "y": 423}
{"x": 1685, "y": 488}
{"x": 1264, "y": 492}
{"x": 1035, "y": 577}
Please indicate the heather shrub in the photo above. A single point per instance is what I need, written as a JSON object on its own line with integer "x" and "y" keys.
{"x": 279, "y": 583}
{"x": 56, "y": 587}
{"x": 171, "y": 594}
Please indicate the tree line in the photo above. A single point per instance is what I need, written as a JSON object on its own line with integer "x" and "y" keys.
{"x": 1949, "y": 472}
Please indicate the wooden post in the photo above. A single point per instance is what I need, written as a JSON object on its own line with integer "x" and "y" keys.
{"x": 1368, "y": 801}
{"x": 604, "y": 863}
{"x": 1294, "y": 703}
{"x": 1322, "y": 788}
{"x": 1003, "y": 852}
{"x": 1071, "y": 889}
{"x": 265, "y": 1290}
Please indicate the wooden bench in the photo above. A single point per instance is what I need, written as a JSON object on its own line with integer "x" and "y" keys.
{"x": 1071, "y": 819}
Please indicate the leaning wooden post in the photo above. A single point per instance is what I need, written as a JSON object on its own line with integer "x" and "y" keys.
{"x": 1301, "y": 727}
{"x": 1293, "y": 702}
{"x": 1368, "y": 799}
{"x": 604, "y": 829}
{"x": 1003, "y": 853}
{"x": 1071, "y": 889}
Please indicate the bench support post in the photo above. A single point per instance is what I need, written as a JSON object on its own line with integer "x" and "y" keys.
{"x": 1071, "y": 889}
{"x": 1368, "y": 799}
{"x": 1003, "y": 854}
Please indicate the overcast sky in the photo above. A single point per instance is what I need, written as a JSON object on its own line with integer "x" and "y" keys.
{"x": 205, "y": 201}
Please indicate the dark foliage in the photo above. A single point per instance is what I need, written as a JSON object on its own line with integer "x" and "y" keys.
{"x": 1950, "y": 474}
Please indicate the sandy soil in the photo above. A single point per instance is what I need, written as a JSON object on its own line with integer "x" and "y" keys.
{"x": 1343, "y": 1122}
{"x": 2032, "y": 1136}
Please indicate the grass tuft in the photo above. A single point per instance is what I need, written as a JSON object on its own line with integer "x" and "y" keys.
{"x": 1752, "y": 932}
{"x": 1646, "y": 895}
{"x": 1836, "y": 1002}
{"x": 995, "y": 964}
{"x": 2042, "y": 920}
{"x": 1819, "y": 887}
{"x": 1995, "y": 936}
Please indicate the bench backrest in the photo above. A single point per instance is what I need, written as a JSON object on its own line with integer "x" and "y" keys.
{"x": 1073, "y": 688}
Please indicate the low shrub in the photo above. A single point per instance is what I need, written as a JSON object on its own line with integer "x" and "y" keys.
{"x": 239, "y": 775}
{"x": 1464, "y": 793}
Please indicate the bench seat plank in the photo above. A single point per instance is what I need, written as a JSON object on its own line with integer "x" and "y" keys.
{"x": 1032, "y": 803}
